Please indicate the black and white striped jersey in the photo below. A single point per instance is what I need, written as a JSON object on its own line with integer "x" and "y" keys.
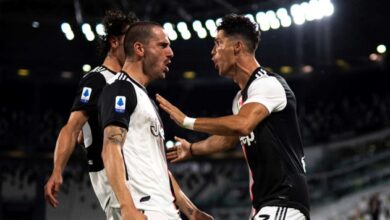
{"x": 89, "y": 90}
{"x": 273, "y": 150}
{"x": 87, "y": 97}
{"x": 125, "y": 103}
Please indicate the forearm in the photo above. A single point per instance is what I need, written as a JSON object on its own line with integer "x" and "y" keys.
{"x": 213, "y": 144}
{"x": 114, "y": 138}
{"x": 182, "y": 201}
{"x": 115, "y": 170}
{"x": 65, "y": 145}
{"x": 233, "y": 125}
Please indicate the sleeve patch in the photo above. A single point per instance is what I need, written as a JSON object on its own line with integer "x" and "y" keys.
{"x": 120, "y": 104}
{"x": 85, "y": 95}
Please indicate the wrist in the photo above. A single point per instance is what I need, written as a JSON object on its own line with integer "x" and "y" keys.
{"x": 191, "y": 152}
{"x": 189, "y": 123}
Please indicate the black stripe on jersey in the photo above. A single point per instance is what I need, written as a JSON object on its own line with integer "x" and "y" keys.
{"x": 106, "y": 68}
{"x": 285, "y": 213}
{"x": 135, "y": 82}
{"x": 277, "y": 213}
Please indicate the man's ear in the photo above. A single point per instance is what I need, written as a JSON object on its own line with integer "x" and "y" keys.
{"x": 238, "y": 46}
{"x": 114, "y": 42}
{"x": 139, "y": 49}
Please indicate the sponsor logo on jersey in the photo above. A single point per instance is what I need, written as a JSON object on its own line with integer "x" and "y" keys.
{"x": 157, "y": 129}
{"x": 247, "y": 140}
{"x": 86, "y": 95}
{"x": 120, "y": 104}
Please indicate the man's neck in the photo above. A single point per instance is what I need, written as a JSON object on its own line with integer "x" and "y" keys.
{"x": 112, "y": 63}
{"x": 134, "y": 70}
{"x": 244, "y": 69}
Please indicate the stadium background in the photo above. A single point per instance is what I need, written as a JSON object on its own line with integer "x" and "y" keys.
{"x": 334, "y": 65}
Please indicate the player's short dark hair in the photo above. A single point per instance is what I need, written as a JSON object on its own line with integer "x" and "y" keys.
{"x": 115, "y": 23}
{"x": 138, "y": 32}
{"x": 239, "y": 25}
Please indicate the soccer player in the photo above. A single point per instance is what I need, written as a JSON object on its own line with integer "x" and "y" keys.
{"x": 84, "y": 115}
{"x": 264, "y": 120}
{"x": 133, "y": 145}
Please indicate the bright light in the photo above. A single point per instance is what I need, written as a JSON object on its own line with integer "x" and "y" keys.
{"x": 100, "y": 29}
{"x": 309, "y": 11}
{"x": 274, "y": 22}
{"x": 35, "y": 24}
{"x": 285, "y": 19}
{"x": 86, "y": 67}
{"x": 67, "y": 30}
{"x": 183, "y": 29}
{"x": 202, "y": 33}
{"x": 182, "y": 26}
{"x": 298, "y": 14}
{"x": 196, "y": 25}
{"x": 250, "y": 16}
{"x": 169, "y": 144}
{"x": 65, "y": 27}
{"x": 168, "y": 26}
{"x": 262, "y": 19}
{"x": 327, "y": 7}
{"x": 86, "y": 28}
{"x": 381, "y": 49}
{"x": 172, "y": 35}
{"x": 212, "y": 27}
{"x": 185, "y": 35}
{"x": 218, "y": 21}
{"x": 316, "y": 10}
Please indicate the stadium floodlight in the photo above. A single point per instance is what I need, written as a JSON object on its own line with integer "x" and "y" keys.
{"x": 381, "y": 49}
{"x": 35, "y": 24}
{"x": 262, "y": 19}
{"x": 182, "y": 26}
{"x": 285, "y": 19}
{"x": 250, "y": 16}
{"x": 86, "y": 28}
{"x": 212, "y": 27}
{"x": 327, "y": 7}
{"x": 86, "y": 67}
{"x": 67, "y": 30}
{"x": 218, "y": 21}
{"x": 168, "y": 26}
{"x": 197, "y": 25}
{"x": 273, "y": 21}
{"x": 100, "y": 29}
{"x": 298, "y": 14}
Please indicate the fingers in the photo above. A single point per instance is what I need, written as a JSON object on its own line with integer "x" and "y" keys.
{"x": 178, "y": 139}
{"x": 50, "y": 195}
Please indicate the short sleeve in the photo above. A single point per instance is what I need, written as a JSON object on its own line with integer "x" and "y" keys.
{"x": 269, "y": 92}
{"x": 117, "y": 103}
{"x": 237, "y": 102}
{"x": 88, "y": 92}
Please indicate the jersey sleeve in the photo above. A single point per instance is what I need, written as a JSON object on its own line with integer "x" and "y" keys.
{"x": 88, "y": 92}
{"x": 117, "y": 103}
{"x": 269, "y": 92}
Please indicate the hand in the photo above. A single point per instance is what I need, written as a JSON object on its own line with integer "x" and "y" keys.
{"x": 199, "y": 215}
{"x": 175, "y": 113}
{"x": 51, "y": 189}
{"x": 137, "y": 215}
{"x": 179, "y": 152}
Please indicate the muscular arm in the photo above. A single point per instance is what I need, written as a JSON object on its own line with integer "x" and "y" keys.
{"x": 65, "y": 145}
{"x": 210, "y": 145}
{"x": 114, "y": 137}
{"x": 242, "y": 124}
